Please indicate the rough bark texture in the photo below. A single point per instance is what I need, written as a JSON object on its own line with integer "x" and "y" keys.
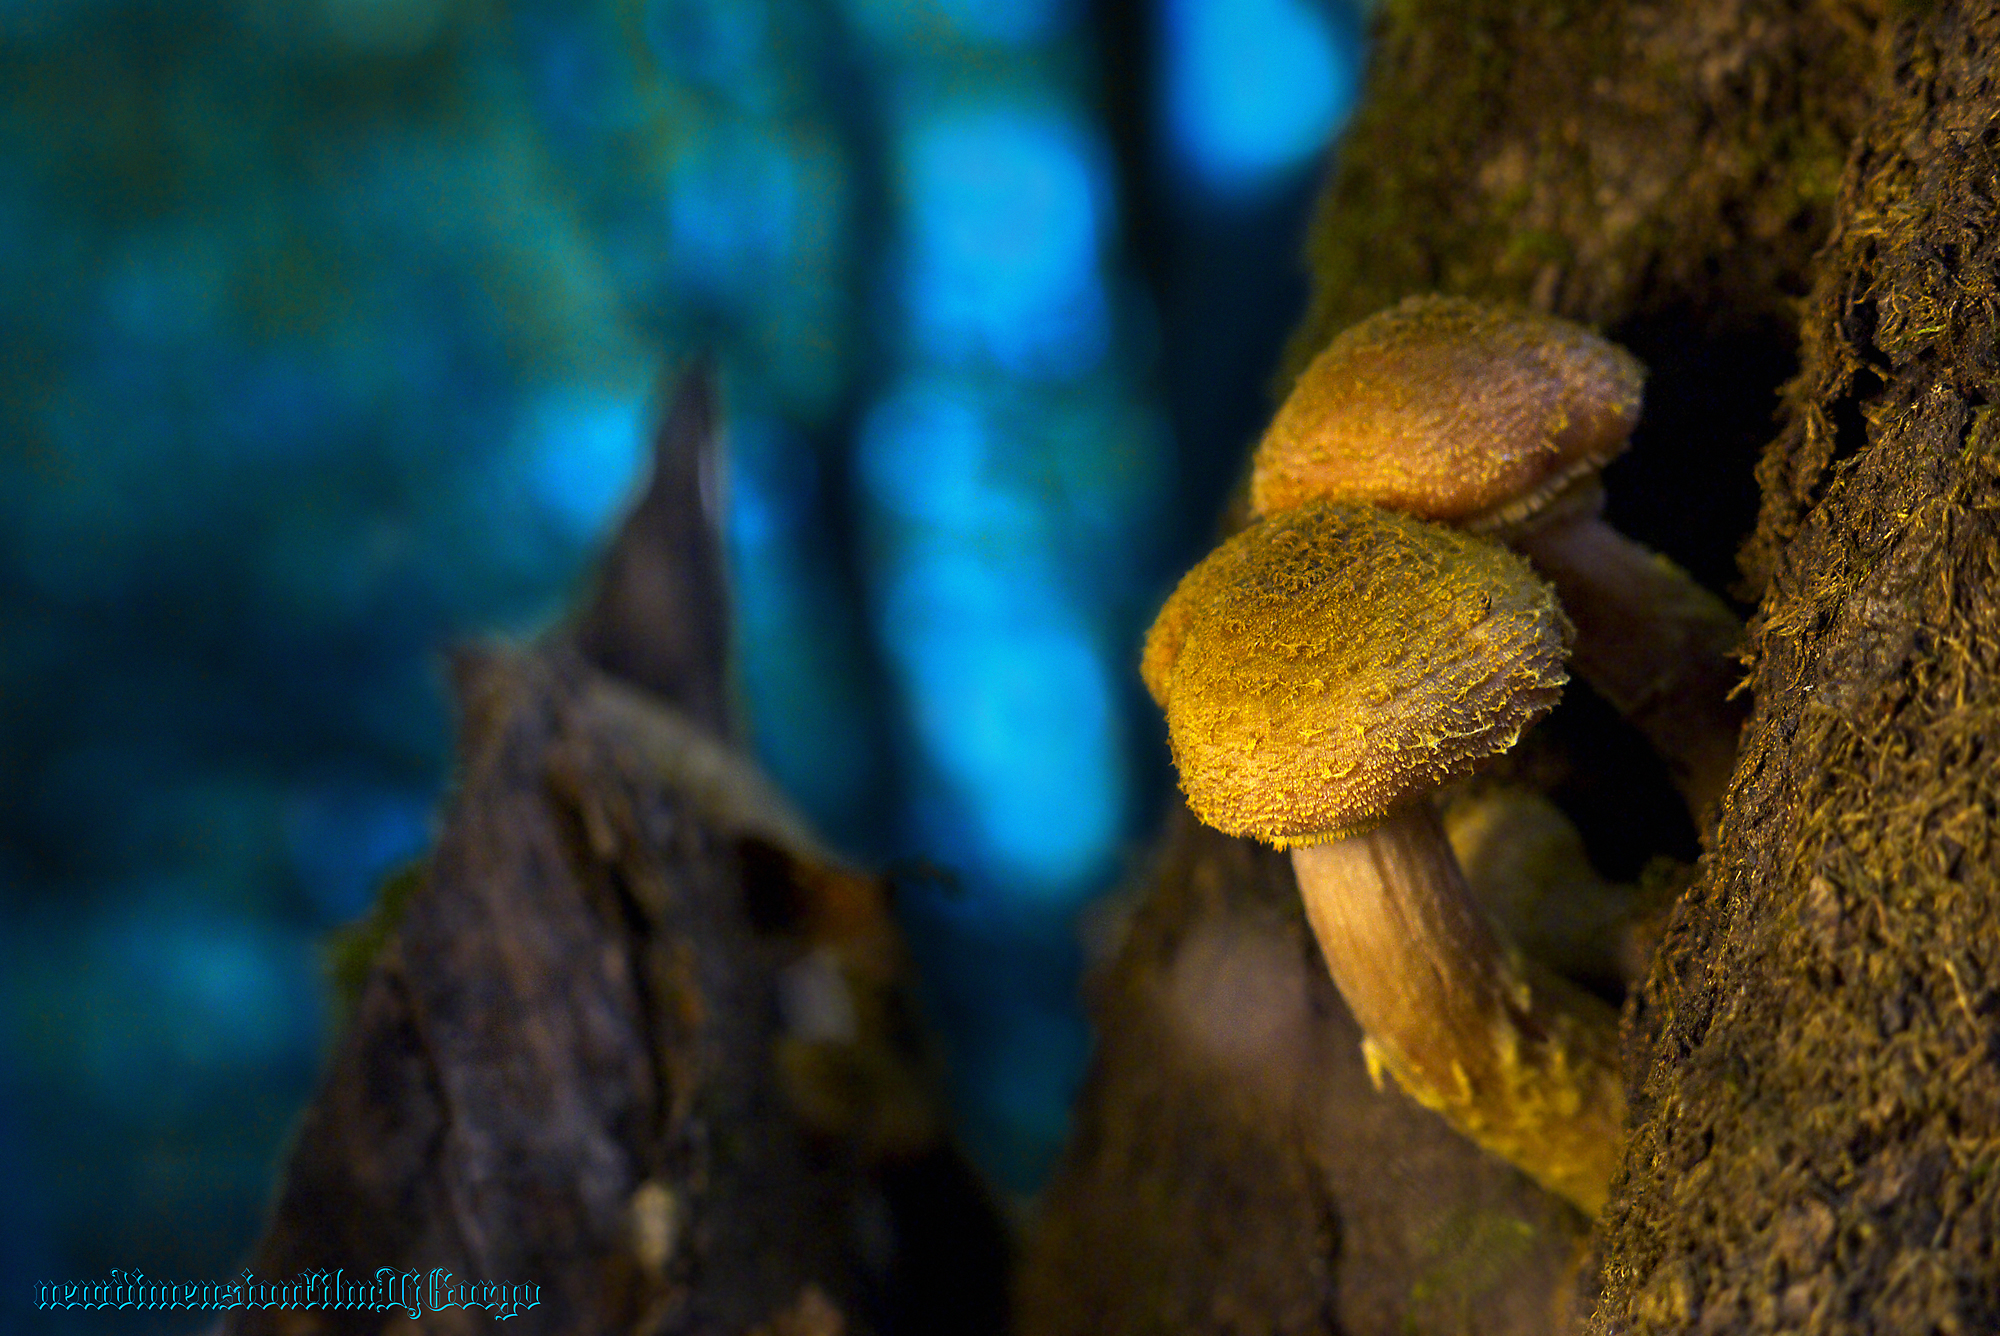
{"x": 1602, "y": 160}
{"x": 1818, "y": 1124}
{"x": 1789, "y": 211}
{"x": 631, "y": 1037}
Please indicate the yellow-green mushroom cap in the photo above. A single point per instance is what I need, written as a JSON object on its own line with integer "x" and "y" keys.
{"x": 1453, "y": 410}
{"x": 1328, "y": 662}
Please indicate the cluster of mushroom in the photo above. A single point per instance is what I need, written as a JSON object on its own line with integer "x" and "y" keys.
{"x": 1330, "y": 666}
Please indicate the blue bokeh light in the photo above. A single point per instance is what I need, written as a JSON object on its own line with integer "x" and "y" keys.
{"x": 384, "y": 27}
{"x": 926, "y": 454}
{"x": 805, "y": 686}
{"x": 1007, "y": 210}
{"x": 152, "y": 1000}
{"x": 1012, "y": 709}
{"x": 165, "y": 288}
{"x": 1009, "y": 22}
{"x": 1008, "y": 695}
{"x": 329, "y": 357}
{"x": 711, "y": 42}
{"x": 1253, "y": 89}
{"x": 732, "y": 210}
{"x": 583, "y": 455}
{"x": 938, "y": 31}
{"x": 344, "y": 837}
{"x": 582, "y": 78}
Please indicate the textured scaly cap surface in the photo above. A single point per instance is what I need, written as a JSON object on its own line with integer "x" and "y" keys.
{"x": 1450, "y": 409}
{"x": 1326, "y": 663}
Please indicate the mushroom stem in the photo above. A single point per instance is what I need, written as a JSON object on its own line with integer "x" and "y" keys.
{"x": 1516, "y": 1060}
{"x": 1653, "y": 643}
{"x": 1526, "y": 866}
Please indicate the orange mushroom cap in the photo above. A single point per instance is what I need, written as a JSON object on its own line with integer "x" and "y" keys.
{"x": 1326, "y": 663}
{"x": 1453, "y": 410}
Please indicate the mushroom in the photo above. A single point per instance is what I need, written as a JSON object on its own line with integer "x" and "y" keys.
{"x": 1528, "y": 870}
{"x": 1498, "y": 420}
{"x": 1322, "y": 672}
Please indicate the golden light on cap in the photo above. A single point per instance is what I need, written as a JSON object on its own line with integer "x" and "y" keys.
{"x": 1325, "y": 663}
{"x": 1451, "y": 409}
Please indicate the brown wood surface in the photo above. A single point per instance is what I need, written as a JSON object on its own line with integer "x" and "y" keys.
{"x": 631, "y": 1037}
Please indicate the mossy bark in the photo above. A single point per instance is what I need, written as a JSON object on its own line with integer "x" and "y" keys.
{"x": 1817, "y": 1123}
{"x": 1788, "y": 210}
{"x": 630, "y": 1037}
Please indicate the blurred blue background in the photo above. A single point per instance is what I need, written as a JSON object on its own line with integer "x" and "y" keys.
{"x": 329, "y": 328}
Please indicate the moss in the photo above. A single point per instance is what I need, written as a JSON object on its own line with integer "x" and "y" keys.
{"x": 350, "y": 953}
{"x": 1851, "y": 1069}
{"x": 1471, "y": 1252}
{"x": 1600, "y": 161}
{"x": 1821, "y": 1107}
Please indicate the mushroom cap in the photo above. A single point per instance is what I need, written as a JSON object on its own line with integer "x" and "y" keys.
{"x": 1453, "y": 410}
{"x": 1326, "y": 663}
{"x": 1163, "y": 638}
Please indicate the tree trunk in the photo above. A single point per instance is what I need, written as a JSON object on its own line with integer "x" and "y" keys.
{"x": 1817, "y": 1114}
{"x": 632, "y": 1045}
{"x": 1787, "y": 210}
